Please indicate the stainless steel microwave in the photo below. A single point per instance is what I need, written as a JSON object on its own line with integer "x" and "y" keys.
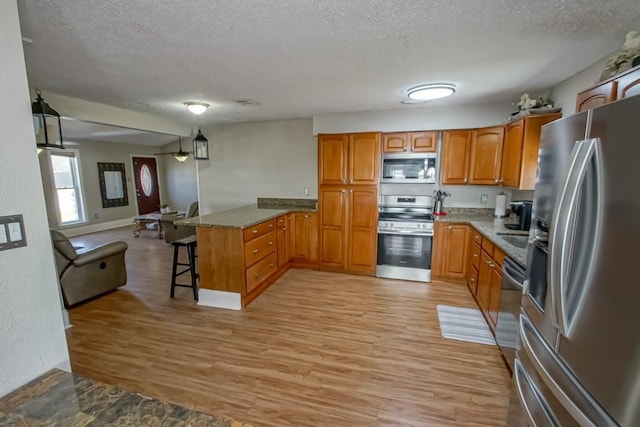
{"x": 413, "y": 168}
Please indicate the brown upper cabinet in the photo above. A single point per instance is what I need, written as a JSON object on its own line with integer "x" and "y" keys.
{"x": 486, "y": 155}
{"x": 618, "y": 87}
{"x": 454, "y": 157}
{"x": 349, "y": 158}
{"x": 417, "y": 142}
{"x": 472, "y": 156}
{"x": 520, "y": 151}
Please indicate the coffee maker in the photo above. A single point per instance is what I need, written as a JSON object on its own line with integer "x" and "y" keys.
{"x": 522, "y": 210}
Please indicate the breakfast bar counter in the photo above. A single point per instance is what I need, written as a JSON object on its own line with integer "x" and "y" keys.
{"x": 241, "y": 217}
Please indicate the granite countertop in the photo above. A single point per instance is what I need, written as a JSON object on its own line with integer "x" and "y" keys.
{"x": 489, "y": 227}
{"x": 59, "y": 398}
{"x": 242, "y": 217}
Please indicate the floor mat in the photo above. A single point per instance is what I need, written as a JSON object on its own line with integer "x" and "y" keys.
{"x": 464, "y": 324}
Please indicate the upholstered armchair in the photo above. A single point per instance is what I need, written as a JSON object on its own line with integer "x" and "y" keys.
{"x": 87, "y": 273}
{"x": 174, "y": 232}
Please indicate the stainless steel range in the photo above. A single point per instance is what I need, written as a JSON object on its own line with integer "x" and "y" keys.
{"x": 405, "y": 237}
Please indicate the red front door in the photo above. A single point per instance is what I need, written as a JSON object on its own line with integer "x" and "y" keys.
{"x": 145, "y": 172}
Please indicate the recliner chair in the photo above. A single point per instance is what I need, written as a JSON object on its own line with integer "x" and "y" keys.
{"x": 88, "y": 273}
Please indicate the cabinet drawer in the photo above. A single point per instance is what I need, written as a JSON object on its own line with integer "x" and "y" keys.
{"x": 260, "y": 271}
{"x": 259, "y": 248}
{"x": 259, "y": 229}
{"x": 487, "y": 246}
{"x": 281, "y": 222}
{"x": 475, "y": 256}
{"x": 476, "y": 236}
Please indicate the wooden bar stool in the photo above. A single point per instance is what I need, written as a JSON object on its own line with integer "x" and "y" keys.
{"x": 191, "y": 245}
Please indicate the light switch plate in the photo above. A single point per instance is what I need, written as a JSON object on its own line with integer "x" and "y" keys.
{"x": 12, "y": 232}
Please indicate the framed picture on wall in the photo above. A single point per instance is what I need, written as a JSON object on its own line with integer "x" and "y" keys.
{"x": 113, "y": 184}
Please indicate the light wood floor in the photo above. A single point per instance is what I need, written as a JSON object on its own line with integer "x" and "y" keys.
{"x": 315, "y": 349}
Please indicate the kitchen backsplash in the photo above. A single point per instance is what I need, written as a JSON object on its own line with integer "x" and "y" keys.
{"x": 462, "y": 196}
{"x": 469, "y": 211}
{"x": 278, "y": 203}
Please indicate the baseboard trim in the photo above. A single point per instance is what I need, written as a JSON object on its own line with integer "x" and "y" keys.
{"x": 220, "y": 299}
{"x": 94, "y": 228}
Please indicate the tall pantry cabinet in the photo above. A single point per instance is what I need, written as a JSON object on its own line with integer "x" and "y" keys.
{"x": 348, "y": 176}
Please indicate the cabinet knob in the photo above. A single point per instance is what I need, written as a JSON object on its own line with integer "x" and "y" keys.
{"x": 502, "y": 180}
{"x": 270, "y": 225}
{"x": 404, "y": 148}
{"x": 255, "y": 231}
{"x": 465, "y": 180}
{"x": 475, "y": 255}
{"x": 344, "y": 191}
{"x": 449, "y": 227}
{"x": 472, "y": 280}
{"x": 491, "y": 264}
{"x": 271, "y": 265}
{"x": 270, "y": 243}
{"x": 255, "y": 251}
{"x": 497, "y": 181}
{"x": 350, "y": 191}
{"x": 306, "y": 216}
{"x": 257, "y": 275}
{"x": 284, "y": 228}
{"x": 351, "y": 181}
{"x": 343, "y": 181}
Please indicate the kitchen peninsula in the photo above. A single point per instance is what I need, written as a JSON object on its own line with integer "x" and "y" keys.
{"x": 242, "y": 251}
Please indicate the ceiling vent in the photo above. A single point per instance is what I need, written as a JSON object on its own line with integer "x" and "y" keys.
{"x": 247, "y": 102}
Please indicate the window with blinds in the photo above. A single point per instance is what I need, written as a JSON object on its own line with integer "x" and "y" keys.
{"x": 66, "y": 181}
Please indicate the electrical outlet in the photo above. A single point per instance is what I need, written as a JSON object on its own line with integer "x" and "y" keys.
{"x": 484, "y": 198}
{"x": 96, "y": 216}
{"x": 306, "y": 191}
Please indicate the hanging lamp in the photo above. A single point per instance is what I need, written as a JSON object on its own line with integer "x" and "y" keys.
{"x": 180, "y": 156}
{"x": 200, "y": 146}
{"x": 46, "y": 123}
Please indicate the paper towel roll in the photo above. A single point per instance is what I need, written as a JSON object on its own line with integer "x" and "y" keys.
{"x": 501, "y": 206}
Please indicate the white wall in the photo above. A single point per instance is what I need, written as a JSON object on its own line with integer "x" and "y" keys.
{"x": 179, "y": 180}
{"x": 414, "y": 117}
{"x": 564, "y": 93}
{"x": 261, "y": 159}
{"x": 32, "y": 339}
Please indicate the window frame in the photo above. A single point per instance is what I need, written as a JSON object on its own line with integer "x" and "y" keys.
{"x": 74, "y": 154}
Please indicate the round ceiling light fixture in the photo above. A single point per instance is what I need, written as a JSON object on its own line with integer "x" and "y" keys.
{"x": 428, "y": 92}
{"x": 197, "y": 107}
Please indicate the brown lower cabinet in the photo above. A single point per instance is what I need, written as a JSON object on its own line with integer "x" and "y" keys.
{"x": 304, "y": 238}
{"x": 348, "y": 228}
{"x": 450, "y": 251}
{"x": 484, "y": 275}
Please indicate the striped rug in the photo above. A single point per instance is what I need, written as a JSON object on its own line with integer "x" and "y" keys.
{"x": 464, "y": 324}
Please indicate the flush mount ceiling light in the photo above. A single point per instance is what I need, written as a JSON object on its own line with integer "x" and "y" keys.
{"x": 428, "y": 92}
{"x": 197, "y": 107}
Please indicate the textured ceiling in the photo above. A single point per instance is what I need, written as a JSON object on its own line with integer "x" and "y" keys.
{"x": 298, "y": 58}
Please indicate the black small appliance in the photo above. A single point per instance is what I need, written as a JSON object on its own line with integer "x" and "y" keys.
{"x": 522, "y": 210}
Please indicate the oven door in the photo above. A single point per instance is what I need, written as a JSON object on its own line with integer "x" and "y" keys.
{"x": 404, "y": 256}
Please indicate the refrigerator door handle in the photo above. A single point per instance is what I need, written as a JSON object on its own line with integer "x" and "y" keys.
{"x": 561, "y": 239}
{"x": 569, "y": 392}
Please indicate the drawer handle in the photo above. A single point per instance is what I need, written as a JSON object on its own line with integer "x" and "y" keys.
{"x": 281, "y": 222}
{"x": 257, "y": 275}
{"x": 284, "y": 228}
{"x": 475, "y": 255}
{"x": 255, "y": 231}
{"x": 270, "y": 243}
{"x": 476, "y": 236}
{"x": 472, "y": 279}
{"x": 255, "y": 251}
{"x": 270, "y": 225}
{"x": 306, "y": 216}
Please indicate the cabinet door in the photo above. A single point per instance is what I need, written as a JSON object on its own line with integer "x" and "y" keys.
{"x": 454, "y": 161}
{"x": 456, "y": 250}
{"x": 484, "y": 281}
{"x": 394, "y": 142}
{"x": 364, "y": 158}
{"x": 291, "y": 241}
{"x": 423, "y": 142}
{"x": 494, "y": 297}
{"x": 596, "y": 96}
{"x": 362, "y": 235}
{"x": 472, "y": 280}
{"x": 283, "y": 241}
{"x": 300, "y": 246}
{"x": 332, "y": 225}
{"x": 438, "y": 248}
{"x": 512, "y": 154}
{"x": 312, "y": 236}
{"x": 332, "y": 159}
{"x": 486, "y": 156}
{"x": 629, "y": 84}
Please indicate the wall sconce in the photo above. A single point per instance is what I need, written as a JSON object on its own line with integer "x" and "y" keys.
{"x": 46, "y": 123}
{"x": 200, "y": 147}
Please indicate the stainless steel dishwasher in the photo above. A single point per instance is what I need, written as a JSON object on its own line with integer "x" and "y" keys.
{"x": 513, "y": 276}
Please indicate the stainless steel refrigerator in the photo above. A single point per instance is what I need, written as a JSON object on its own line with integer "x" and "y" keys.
{"x": 578, "y": 356}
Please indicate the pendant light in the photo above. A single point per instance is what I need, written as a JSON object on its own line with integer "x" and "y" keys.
{"x": 200, "y": 146}
{"x": 180, "y": 156}
{"x": 46, "y": 123}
